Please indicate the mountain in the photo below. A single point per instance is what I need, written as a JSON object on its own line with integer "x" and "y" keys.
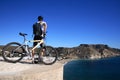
{"x": 1, "y": 46}
{"x": 86, "y": 51}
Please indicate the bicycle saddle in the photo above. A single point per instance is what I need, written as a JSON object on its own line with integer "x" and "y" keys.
{"x": 22, "y": 34}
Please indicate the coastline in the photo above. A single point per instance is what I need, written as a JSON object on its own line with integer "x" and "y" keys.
{"x": 26, "y": 71}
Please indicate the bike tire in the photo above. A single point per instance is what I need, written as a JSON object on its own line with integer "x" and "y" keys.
{"x": 12, "y": 52}
{"x": 50, "y": 55}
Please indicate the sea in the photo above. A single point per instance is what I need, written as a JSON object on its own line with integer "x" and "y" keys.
{"x": 99, "y": 69}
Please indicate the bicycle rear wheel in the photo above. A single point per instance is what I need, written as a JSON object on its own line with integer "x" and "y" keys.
{"x": 12, "y": 52}
{"x": 49, "y": 55}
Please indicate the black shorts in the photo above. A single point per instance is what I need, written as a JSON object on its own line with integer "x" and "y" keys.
{"x": 37, "y": 38}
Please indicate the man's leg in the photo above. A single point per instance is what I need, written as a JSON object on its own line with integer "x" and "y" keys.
{"x": 32, "y": 56}
{"x": 42, "y": 52}
{"x": 33, "y": 51}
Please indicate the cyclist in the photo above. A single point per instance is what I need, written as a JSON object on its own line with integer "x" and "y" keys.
{"x": 39, "y": 31}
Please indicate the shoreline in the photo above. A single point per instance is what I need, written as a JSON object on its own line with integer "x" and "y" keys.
{"x": 65, "y": 61}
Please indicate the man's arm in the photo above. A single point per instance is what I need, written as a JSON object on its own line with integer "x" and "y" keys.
{"x": 44, "y": 28}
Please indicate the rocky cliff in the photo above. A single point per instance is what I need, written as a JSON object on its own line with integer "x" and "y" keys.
{"x": 88, "y": 51}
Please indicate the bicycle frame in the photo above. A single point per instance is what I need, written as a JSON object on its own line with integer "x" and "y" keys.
{"x": 38, "y": 44}
{"x": 25, "y": 45}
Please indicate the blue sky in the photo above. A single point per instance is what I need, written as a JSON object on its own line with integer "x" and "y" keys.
{"x": 70, "y": 22}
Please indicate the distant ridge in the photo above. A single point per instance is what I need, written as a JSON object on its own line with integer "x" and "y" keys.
{"x": 86, "y": 51}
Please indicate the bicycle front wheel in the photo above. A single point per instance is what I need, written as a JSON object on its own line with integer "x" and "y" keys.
{"x": 49, "y": 55}
{"x": 12, "y": 52}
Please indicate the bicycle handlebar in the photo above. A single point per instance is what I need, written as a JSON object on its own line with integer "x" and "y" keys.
{"x": 22, "y": 34}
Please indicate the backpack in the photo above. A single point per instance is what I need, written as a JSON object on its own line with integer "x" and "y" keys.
{"x": 37, "y": 29}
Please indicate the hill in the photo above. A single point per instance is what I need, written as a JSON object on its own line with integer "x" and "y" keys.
{"x": 86, "y": 51}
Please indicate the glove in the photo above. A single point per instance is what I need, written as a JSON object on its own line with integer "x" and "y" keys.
{"x": 44, "y": 35}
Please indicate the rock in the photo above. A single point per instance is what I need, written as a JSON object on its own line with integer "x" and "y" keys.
{"x": 24, "y": 71}
{"x": 88, "y": 51}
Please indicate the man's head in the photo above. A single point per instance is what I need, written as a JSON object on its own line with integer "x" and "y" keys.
{"x": 40, "y": 18}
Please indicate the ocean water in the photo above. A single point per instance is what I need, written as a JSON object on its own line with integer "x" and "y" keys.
{"x": 101, "y": 69}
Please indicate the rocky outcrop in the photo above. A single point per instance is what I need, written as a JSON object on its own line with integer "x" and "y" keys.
{"x": 21, "y": 71}
{"x": 88, "y": 51}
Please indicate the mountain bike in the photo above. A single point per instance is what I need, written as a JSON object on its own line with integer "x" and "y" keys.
{"x": 14, "y": 51}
